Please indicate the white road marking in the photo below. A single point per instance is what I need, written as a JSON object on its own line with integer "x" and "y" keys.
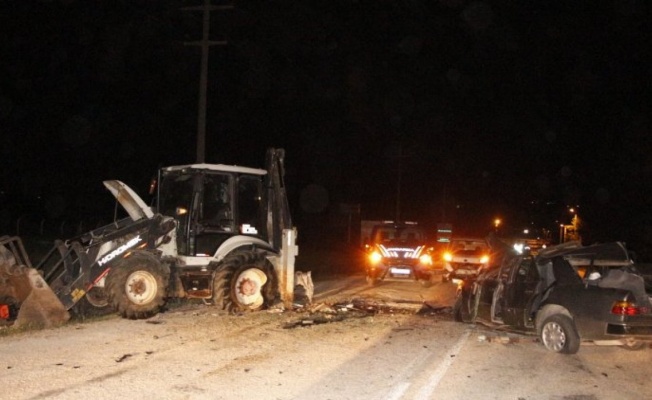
{"x": 398, "y": 391}
{"x": 428, "y": 389}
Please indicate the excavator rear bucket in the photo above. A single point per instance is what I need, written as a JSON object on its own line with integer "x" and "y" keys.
{"x": 26, "y": 300}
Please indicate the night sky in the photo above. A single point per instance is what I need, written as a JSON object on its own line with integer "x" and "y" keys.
{"x": 484, "y": 109}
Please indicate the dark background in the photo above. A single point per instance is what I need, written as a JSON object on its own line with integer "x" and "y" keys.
{"x": 472, "y": 110}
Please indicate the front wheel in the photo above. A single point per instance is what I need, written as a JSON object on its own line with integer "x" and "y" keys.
{"x": 245, "y": 282}
{"x": 136, "y": 286}
{"x": 558, "y": 334}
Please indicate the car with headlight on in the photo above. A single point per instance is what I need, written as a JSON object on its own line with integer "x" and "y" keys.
{"x": 565, "y": 294}
{"x": 465, "y": 256}
{"x": 399, "y": 251}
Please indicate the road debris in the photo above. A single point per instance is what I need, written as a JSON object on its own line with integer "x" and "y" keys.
{"x": 429, "y": 309}
{"x": 503, "y": 339}
{"x": 322, "y": 313}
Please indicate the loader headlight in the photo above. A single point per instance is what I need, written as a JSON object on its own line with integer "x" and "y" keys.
{"x": 425, "y": 259}
{"x": 484, "y": 259}
{"x": 448, "y": 257}
{"x": 375, "y": 257}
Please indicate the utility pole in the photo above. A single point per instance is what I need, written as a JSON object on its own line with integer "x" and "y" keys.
{"x": 203, "y": 76}
{"x": 398, "y": 181}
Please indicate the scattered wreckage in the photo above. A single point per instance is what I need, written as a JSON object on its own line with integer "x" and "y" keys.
{"x": 323, "y": 313}
{"x": 566, "y": 294}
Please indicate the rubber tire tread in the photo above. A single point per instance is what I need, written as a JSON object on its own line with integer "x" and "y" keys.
{"x": 138, "y": 261}
{"x": 233, "y": 264}
{"x": 572, "y": 344}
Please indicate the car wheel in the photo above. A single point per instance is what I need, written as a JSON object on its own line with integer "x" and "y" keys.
{"x": 558, "y": 334}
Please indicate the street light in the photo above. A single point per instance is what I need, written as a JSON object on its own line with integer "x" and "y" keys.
{"x": 570, "y": 231}
{"x": 497, "y": 222}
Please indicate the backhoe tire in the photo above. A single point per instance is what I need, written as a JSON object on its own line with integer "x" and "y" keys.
{"x": 136, "y": 286}
{"x": 245, "y": 281}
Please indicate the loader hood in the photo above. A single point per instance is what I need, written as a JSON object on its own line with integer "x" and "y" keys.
{"x": 129, "y": 200}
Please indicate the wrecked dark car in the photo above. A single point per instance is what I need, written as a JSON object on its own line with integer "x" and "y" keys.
{"x": 566, "y": 294}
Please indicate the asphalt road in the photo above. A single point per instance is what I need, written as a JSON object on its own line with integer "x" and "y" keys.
{"x": 394, "y": 341}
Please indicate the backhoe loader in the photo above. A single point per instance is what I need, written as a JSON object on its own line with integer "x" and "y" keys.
{"x": 215, "y": 232}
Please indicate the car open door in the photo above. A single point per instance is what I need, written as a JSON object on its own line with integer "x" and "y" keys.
{"x": 484, "y": 293}
{"x": 514, "y": 303}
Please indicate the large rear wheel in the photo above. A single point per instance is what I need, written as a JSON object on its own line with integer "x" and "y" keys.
{"x": 136, "y": 286}
{"x": 246, "y": 281}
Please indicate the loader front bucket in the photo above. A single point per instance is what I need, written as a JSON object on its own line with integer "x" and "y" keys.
{"x": 26, "y": 300}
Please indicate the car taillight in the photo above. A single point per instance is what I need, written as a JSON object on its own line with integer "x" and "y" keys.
{"x": 627, "y": 308}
